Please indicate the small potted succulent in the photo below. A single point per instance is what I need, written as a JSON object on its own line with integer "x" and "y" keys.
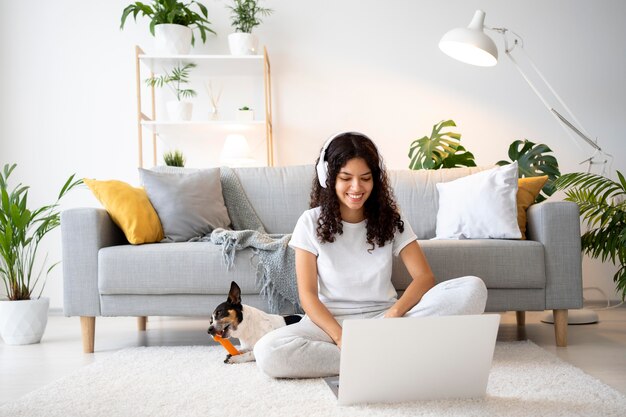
{"x": 178, "y": 109}
{"x": 245, "y": 114}
{"x": 23, "y": 317}
{"x": 246, "y": 15}
{"x": 172, "y": 23}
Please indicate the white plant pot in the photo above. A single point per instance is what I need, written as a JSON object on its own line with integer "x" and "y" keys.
{"x": 243, "y": 44}
{"x": 245, "y": 115}
{"x": 179, "y": 110}
{"x": 23, "y": 322}
{"x": 172, "y": 39}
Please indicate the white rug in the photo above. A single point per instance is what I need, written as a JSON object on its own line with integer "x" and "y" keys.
{"x": 193, "y": 381}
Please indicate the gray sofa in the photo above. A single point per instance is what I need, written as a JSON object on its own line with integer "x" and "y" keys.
{"x": 103, "y": 275}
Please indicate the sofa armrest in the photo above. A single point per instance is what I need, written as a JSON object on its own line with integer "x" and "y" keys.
{"x": 83, "y": 232}
{"x": 556, "y": 224}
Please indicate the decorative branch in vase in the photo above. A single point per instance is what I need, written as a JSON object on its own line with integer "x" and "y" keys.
{"x": 215, "y": 99}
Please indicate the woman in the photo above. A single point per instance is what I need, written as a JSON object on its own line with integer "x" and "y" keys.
{"x": 344, "y": 251}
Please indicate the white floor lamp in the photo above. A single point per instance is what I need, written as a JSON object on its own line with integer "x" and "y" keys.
{"x": 472, "y": 46}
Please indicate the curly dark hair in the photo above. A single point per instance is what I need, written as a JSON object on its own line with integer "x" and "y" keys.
{"x": 380, "y": 209}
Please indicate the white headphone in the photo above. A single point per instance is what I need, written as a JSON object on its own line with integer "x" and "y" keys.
{"x": 322, "y": 166}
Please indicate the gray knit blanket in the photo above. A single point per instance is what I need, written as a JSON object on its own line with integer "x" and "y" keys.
{"x": 276, "y": 270}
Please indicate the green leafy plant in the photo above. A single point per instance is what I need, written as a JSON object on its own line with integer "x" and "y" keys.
{"x": 245, "y": 108}
{"x": 174, "y": 158}
{"x": 173, "y": 12}
{"x": 246, "y": 15}
{"x": 440, "y": 150}
{"x": 178, "y": 76}
{"x": 602, "y": 204}
{"x": 21, "y": 231}
{"x": 533, "y": 161}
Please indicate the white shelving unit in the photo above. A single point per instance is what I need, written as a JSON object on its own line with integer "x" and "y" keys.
{"x": 215, "y": 66}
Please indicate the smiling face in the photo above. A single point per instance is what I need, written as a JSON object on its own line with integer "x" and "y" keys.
{"x": 353, "y": 187}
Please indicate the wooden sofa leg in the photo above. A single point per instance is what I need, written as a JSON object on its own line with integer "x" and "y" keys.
{"x": 521, "y": 318}
{"x": 141, "y": 323}
{"x": 560, "y": 327}
{"x": 88, "y": 331}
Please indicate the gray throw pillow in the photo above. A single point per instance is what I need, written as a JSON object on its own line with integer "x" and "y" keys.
{"x": 188, "y": 204}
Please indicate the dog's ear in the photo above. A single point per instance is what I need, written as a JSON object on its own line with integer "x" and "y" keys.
{"x": 234, "y": 295}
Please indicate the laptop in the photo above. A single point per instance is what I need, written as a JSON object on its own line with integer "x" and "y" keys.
{"x": 408, "y": 359}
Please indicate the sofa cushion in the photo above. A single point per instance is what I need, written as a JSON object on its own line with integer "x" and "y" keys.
{"x": 528, "y": 189}
{"x": 173, "y": 268}
{"x": 416, "y": 194}
{"x": 480, "y": 206}
{"x": 129, "y": 208}
{"x": 500, "y": 263}
{"x": 279, "y": 195}
{"x": 189, "y": 204}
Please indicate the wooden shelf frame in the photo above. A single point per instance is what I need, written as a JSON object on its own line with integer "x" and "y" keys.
{"x": 225, "y": 65}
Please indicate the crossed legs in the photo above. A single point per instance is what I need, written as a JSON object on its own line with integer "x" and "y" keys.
{"x": 303, "y": 350}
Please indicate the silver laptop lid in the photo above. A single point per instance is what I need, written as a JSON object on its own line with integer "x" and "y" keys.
{"x": 406, "y": 359}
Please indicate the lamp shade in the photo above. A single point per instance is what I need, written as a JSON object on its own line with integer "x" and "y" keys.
{"x": 236, "y": 151}
{"x": 471, "y": 45}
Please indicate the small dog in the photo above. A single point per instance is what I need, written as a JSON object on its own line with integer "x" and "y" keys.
{"x": 248, "y": 324}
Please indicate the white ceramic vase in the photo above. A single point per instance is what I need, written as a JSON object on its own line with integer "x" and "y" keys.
{"x": 179, "y": 110}
{"x": 243, "y": 43}
{"x": 172, "y": 39}
{"x": 23, "y": 322}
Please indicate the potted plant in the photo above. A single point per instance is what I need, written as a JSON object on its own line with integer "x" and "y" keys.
{"x": 174, "y": 158}
{"x": 245, "y": 114}
{"x": 24, "y": 316}
{"x": 245, "y": 16}
{"x": 602, "y": 203}
{"x": 177, "y": 109}
{"x": 171, "y": 23}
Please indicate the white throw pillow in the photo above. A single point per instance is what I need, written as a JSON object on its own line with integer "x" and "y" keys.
{"x": 479, "y": 206}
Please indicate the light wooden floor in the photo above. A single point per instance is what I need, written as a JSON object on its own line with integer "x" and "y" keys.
{"x": 598, "y": 349}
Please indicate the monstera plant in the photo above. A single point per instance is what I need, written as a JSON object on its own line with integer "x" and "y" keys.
{"x": 602, "y": 204}
{"x": 533, "y": 161}
{"x": 440, "y": 150}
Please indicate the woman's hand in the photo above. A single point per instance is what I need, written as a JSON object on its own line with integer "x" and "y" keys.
{"x": 392, "y": 313}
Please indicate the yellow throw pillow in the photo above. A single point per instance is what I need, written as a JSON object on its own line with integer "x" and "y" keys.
{"x": 130, "y": 209}
{"x": 528, "y": 189}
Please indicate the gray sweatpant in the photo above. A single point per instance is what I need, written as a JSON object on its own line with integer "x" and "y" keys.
{"x": 303, "y": 350}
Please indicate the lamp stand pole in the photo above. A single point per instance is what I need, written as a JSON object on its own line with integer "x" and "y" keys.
{"x": 599, "y": 157}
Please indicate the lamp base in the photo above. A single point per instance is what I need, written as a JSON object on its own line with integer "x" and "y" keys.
{"x": 580, "y": 316}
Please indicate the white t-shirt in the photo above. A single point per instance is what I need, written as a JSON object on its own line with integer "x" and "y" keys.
{"x": 351, "y": 277}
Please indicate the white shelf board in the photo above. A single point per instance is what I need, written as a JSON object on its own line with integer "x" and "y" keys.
{"x": 218, "y": 65}
{"x": 193, "y": 128}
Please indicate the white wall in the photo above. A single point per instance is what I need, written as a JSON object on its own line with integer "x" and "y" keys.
{"x": 68, "y": 90}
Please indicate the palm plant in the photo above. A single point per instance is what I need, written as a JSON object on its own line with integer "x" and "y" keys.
{"x": 533, "y": 161}
{"x": 21, "y": 231}
{"x": 178, "y": 76}
{"x": 246, "y": 15}
{"x": 440, "y": 150}
{"x": 602, "y": 203}
{"x": 172, "y": 12}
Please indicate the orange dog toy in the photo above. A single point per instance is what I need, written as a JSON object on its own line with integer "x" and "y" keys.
{"x": 227, "y": 345}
